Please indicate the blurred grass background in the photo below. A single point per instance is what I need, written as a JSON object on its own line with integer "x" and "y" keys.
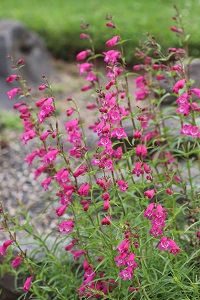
{"x": 58, "y": 22}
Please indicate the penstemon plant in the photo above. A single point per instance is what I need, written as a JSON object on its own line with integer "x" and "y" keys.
{"x": 127, "y": 207}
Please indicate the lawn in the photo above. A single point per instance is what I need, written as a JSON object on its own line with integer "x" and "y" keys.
{"x": 58, "y": 21}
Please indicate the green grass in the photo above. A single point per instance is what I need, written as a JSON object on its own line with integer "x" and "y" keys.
{"x": 58, "y": 21}
{"x": 10, "y": 120}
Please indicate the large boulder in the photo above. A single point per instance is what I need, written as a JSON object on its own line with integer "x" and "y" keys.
{"x": 17, "y": 40}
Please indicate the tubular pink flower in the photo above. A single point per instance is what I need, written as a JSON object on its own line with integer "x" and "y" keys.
{"x": 106, "y": 220}
{"x": 77, "y": 253}
{"x": 177, "y": 30}
{"x": 27, "y": 284}
{"x": 11, "y": 78}
{"x": 164, "y": 244}
{"x": 82, "y": 55}
{"x": 106, "y": 204}
{"x": 149, "y": 193}
{"x": 85, "y": 67}
{"x": 149, "y": 212}
{"x": 66, "y": 226}
{"x": 179, "y": 85}
{"x": 123, "y": 247}
{"x": 61, "y": 210}
{"x": 126, "y": 273}
{"x": 84, "y": 189}
{"x": 110, "y": 24}
{"x": 16, "y": 262}
{"x": 11, "y": 94}
{"x": 70, "y": 246}
{"x": 130, "y": 260}
{"x": 42, "y": 87}
{"x": 50, "y": 156}
{"x": 80, "y": 171}
{"x": 112, "y": 42}
{"x": 86, "y": 88}
{"x": 111, "y": 56}
{"x": 137, "y": 134}
{"x": 46, "y": 182}
{"x": 4, "y": 247}
{"x": 44, "y": 135}
{"x": 123, "y": 186}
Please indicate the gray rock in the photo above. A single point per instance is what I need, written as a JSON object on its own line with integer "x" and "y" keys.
{"x": 17, "y": 40}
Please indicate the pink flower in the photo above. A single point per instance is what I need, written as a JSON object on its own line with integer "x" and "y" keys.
{"x": 70, "y": 111}
{"x": 29, "y": 159}
{"x": 77, "y": 253}
{"x": 50, "y": 156}
{"x": 11, "y": 78}
{"x": 138, "y": 67}
{"x": 194, "y": 131}
{"x": 138, "y": 169}
{"x": 156, "y": 230}
{"x": 137, "y": 134}
{"x": 130, "y": 260}
{"x": 83, "y": 36}
{"x": 72, "y": 125}
{"x": 140, "y": 82}
{"x": 42, "y": 87}
{"x": 83, "y": 54}
{"x": 28, "y": 135}
{"x": 85, "y": 67}
{"x": 44, "y": 135}
{"x": 106, "y": 220}
{"x": 110, "y": 24}
{"x": 141, "y": 94}
{"x": 119, "y": 133}
{"x": 28, "y": 283}
{"x": 123, "y": 186}
{"x": 66, "y": 226}
{"x": 141, "y": 150}
{"x": 16, "y": 262}
{"x": 62, "y": 176}
{"x": 177, "y": 30}
{"x": 126, "y": 273}
{"x": 12, "y": 93}
{"x": 46, "y": 110}
{"x": 61, "y": 210}
{"x": 149, "y": 193}
{"x": 164, "y": 244}
{"x": 46, "y": 182}
{"x": 84, "y": 189}
{"x": 185, "y": 130}
{"x": 196, "y": 92}
{"x": 86, "y": 88}
{"x": 120, "y": 260}
{"x": 149, "y": 212}
{"x": 159, "y": 212}
{"x": 91, "y": 77}
{"x": 111, "y": 56}
{"x": 168, "y": 244}
{"x": 112, "y": 42}
{"x": 70, "y": 246}
{"x": 4, "y": 247}
{"x": 173, "y": 247}
{"x": 80, "y": 171}
{"x": 106, "y": 204}
{"x": 160, "y": 77}
{"x": 179, "y": 85}
{"x": 123, "y": 247}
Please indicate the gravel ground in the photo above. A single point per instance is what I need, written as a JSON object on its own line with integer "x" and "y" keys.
{"x": 18, "y": 190}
